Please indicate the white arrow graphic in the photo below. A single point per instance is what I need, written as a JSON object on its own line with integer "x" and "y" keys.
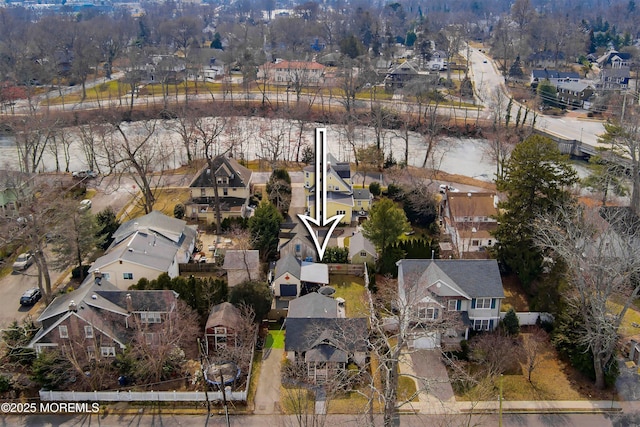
{"x": 320, "y": 204}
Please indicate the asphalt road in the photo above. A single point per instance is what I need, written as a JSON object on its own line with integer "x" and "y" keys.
{"x": 13, "y": 286}
{"x": 509, "y": 420}
{"x": 487, "y": 80}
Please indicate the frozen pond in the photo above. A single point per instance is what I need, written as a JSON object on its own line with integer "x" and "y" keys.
{"x": 254, "y": 138}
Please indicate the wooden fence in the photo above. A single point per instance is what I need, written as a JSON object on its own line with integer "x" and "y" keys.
{"x": 353, "y": 269}
{"x": 198, "y": 267}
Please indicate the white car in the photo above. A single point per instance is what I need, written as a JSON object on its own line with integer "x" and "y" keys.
{"x": 85, "y": 205}
{"x": 451, "y": 189}
{"x": 23, "y": 261}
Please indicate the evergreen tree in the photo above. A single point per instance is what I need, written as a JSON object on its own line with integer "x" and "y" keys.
{"x": 386, "y": 224}
{"x": 536, "y": 181}
{"x": 264, "y": 226}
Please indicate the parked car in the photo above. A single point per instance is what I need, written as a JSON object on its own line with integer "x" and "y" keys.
{"x": 85, "y": 205}
{"x": 30, "y": 297}
{"x": 444, "y": 188}
{"x": 84, "y": 174}
{"x": 23, "y": 261}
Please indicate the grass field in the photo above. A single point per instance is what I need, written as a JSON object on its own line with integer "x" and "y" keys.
{"x": 351, "y": 288}
{"x": 275, "y": 339}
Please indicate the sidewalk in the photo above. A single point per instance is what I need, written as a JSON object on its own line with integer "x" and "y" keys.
{"x": 541, "y": 406}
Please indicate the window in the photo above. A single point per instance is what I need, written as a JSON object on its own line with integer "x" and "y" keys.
{"x": 453, "y": 305}
{"x": 63, "y": 331}
{"x": 127, "y": 276}
{"x": 91, "y": 352}
{"x": 105, "y": 276}
{"x": 341, "y": 212}
{"x": 108, "y": 351}
{"x": 148, "y": 337}
{"x": 225, "y": 192}
{"x": 481, "y": 324}
{"x": 359, "y": 202}
{"x": 203, "y": 192}
{"x": 88, "y": 332}
{"x": 363, "y": 253}
{"x": 150, "y": 317}
{"x": 475, "y": 243}
{"x": 427, "y": 313}
{"x": 489, "y": 242}
{"x": 483, "y": 303}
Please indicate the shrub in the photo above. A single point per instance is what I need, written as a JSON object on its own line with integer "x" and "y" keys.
{"x": 394, "y": 192}
{"x": 75, "y": 273}
{"x": 510, "y": 323}
{"x": 374, "y": 189}
{"x": 179, "y": 210}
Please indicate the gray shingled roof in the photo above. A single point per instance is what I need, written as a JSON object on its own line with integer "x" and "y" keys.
{"x": 154, "y": 222}
{"x": 343, "y": 333}
{"x": 359, "y": 243}
{"x": 60, "y": 304}
{"x": 241, "y": 175}
{"x": 162, "y": 300}
{"x": 288, "y": 264}
{"x": 477, "y": 278}
{"x": 313, "y": 305}
{"x": 142, "y": 249}
{"x": 241, "y": 259}
{"x": 361, "y": 194}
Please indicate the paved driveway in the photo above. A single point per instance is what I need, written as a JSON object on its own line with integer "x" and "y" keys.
{"x": 428, "y": 366}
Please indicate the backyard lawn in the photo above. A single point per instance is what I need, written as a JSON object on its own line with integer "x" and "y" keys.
{"x": 514, "y": 295}
{"x": 275, "y": 339}
{"x": 351, "y": 289}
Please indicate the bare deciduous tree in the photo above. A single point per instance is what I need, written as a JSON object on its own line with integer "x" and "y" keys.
{"x": 599, "y": 249}
{"x": 533, "y": 349}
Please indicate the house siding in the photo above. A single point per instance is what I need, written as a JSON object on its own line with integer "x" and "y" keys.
{"x": 115, "y": 272}
{"x": 280, "y": 280}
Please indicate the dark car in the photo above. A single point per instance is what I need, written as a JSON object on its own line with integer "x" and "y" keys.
{"x": 30, "y": 297}
{"x": 85, "y": 174}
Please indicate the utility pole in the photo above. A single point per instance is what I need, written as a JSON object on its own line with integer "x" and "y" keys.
{"x": 500, "y": 397}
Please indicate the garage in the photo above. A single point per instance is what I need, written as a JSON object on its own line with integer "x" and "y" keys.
{"x": 288, "y": 290}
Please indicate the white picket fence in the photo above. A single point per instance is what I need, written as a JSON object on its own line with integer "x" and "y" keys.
{"x": 529, "y": 318}
{"x": 139, "y": 396}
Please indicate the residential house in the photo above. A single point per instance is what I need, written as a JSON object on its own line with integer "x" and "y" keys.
{"x": 233, "y": 182}
{"x": 459, "y": 294}
{"x": 326, "y": 346}
{"x": 241, "y": 265}
{"x": 399, "y": 74}
{"x": 13, "y": 185}
{"x": 614, "y": 59}
{"x": 438, "y": 61}
{"x": 553, "y": 76}
{"x": 314, "y": 306}
{"x": 362, "y": 201}
{"x": 102, "y": 319}
{"x": 361, "y": 250}
{"x": 470, "y": 219}
{"x": 544, "y": 59}
{"x": 574, "y": 94}
{"x": 614, "y": 78}
{"x": 294, "y": 239}
{"x": 146, "y": 247}
{"x": 339, "y": 185}
{"x": 282, "y": 72}
{"x": 293, "y": 277}
{"x": 221, "y": 330}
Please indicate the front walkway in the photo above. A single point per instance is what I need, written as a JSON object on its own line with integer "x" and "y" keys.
{"x": 267, "y": 399}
